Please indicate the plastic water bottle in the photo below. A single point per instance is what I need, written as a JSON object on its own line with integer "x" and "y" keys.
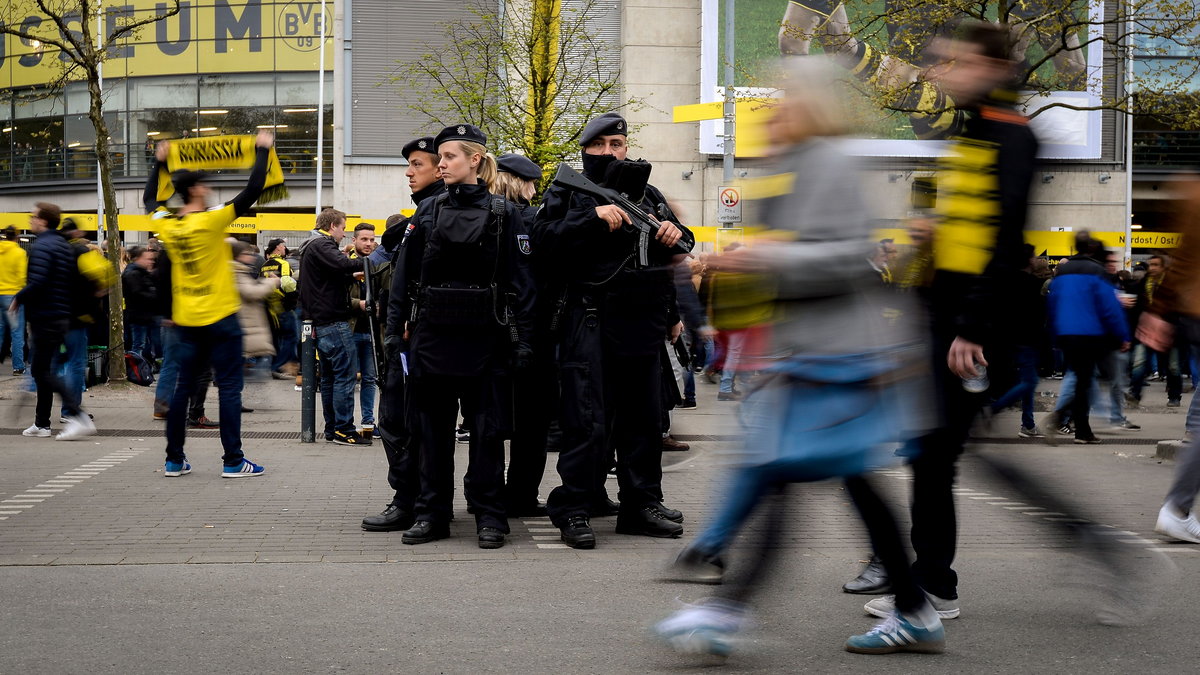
{"x": 979, "y": 383}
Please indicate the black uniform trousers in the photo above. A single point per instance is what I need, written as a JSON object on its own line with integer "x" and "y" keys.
{"x": 399, "y": 444}
{"x": 610, "y": 400}
{"x": 435, "y": 401}
{"x": 536, "y": 402}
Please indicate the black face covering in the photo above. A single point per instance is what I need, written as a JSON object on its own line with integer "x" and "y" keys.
{"x": 595, "y": 166}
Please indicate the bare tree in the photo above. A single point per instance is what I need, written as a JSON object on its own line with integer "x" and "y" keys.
{"x": 530, "y": 75}
{"x": 80, "y": 52}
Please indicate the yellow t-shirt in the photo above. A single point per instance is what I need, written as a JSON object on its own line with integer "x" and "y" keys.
{"x": 203, "y": 290}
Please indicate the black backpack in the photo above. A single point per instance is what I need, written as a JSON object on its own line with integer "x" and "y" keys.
{"x": 138, "y": 370}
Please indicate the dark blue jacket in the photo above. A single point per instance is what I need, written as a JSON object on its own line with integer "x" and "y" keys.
{"x": 1083, "y": 302}
{"x": 51, "y": 280}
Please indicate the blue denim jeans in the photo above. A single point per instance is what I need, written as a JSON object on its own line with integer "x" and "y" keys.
{"x": 1026, "y": 386}
{"x": 335, "y": 346}
{"x": 141, "y": 342}
{"x": 365, "y": 365}
{"x": 289, "y": 341}
{"x": 197, "y": 348}
{"x": 168, "y": 375}
{"x": 735, "y": 342}
{"x": 72, "y": 363}
{"x": 16, "y": 327}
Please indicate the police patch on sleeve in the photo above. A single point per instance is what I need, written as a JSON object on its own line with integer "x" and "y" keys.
{"x": 523, "y": 244}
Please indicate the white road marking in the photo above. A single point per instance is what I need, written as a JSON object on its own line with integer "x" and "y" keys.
{"x": 36, "y": 495}
{"x": 1173, "y": 549}
{"x": 553, "y": 546}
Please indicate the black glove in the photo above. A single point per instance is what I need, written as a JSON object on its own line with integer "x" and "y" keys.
{"x": 393, "y": 345}
{"x": 522, "y": 358}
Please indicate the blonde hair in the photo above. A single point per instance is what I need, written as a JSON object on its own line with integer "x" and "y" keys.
{"x": 487, "y": 165}
{"x": 812, "y": 84}
{"x": 514, "y": 188}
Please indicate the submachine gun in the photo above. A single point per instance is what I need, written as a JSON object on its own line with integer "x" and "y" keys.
{"x": 647, "y": 226}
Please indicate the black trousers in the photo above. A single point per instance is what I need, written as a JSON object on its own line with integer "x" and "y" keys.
{"x": 536, "y": 402}
{"x": 934, "y": 465}
{"x": 1083, "y": 354}
{"x": 610, "y": 400}
{"x": 400, "y": 445}
{"x": 47, "y": 338}
{"x": 435, "y": 401}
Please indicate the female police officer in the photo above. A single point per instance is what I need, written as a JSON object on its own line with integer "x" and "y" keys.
{"x": 463, "y": 276}
{"x": 536, "y": 389}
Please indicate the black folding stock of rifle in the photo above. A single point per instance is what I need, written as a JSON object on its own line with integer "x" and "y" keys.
{"x": 573, "y": 180}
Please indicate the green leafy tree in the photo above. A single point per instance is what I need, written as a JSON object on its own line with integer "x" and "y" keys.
{"x": 530, "y": 74}
{"x": 68, "y": 36}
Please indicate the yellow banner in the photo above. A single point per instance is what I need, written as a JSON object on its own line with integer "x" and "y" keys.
{"x": 207, "y": 36}
{"x": 215, "y": 153}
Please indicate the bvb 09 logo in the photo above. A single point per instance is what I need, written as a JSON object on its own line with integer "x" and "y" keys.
{"x": 299, "y": 25}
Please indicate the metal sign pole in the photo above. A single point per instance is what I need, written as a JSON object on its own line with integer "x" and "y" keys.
{"x": 730, "y": 110}
{"x": 308, "y": 373}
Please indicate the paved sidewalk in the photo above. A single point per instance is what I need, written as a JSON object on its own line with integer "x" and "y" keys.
{"x": 156, "y": 575}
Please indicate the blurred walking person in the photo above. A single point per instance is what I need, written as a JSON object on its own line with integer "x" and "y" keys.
{"x": 1088, "y": 323}
{"x": 1176, "y": 309}
{"x": 835, "y": 396}
{"x": 51, "y": 281}
{"x": 13, "y": 263}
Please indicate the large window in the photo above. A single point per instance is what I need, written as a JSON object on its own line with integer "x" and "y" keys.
{"x": 52, "y": 138}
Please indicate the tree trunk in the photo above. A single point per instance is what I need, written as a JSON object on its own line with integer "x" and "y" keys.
{"x": 111, "y": 229}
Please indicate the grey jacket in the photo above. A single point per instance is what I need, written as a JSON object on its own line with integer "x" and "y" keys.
{"x": 830, "y": 300}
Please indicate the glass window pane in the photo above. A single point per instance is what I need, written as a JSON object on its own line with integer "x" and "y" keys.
{"x": 299, "y": 90}
{"x": 38, "y": 148}
{"x": 243, "y": 89}
{"x": 29, "y": 105}
{"x": 163, "y": 92}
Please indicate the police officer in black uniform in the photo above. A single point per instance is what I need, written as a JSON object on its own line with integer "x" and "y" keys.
{"x": 462, "y": 278}
{"x": 536, "y": 391}
{"x": 399, "y": 445}
{"x": 612, "y": 320}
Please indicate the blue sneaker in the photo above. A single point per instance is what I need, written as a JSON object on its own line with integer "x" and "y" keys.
{"x": 172, "y": 469}
{"x": 896, "y": 634}
{"x": 246, "y": 469}
{"x": 704, "y": 628}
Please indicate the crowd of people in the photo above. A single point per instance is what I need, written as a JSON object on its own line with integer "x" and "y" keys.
{"x": 581, "y": 324}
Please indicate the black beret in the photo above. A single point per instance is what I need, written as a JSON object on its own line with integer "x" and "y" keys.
{"x": 608, "y": 124}
{"x": 422, "y": 144}
{"x": 519, "y": 166}
{"x": 460, "y": 132}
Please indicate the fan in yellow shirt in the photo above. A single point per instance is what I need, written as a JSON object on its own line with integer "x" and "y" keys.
{"x": 204, "y": 304}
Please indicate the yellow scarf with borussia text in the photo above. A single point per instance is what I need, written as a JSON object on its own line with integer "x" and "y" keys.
{"x": 214, "y": 154}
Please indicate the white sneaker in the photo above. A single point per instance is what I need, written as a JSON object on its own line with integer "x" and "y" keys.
{"x": 708, "y": 627}
{"x": 884, "y": 606}
{"x": 1184, "y": 529}
{"x": 35, "y": 431}
{"x": 77, "y": 427}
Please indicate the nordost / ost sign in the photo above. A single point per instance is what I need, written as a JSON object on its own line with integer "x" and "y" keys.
{"x": 207, "y": 36}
